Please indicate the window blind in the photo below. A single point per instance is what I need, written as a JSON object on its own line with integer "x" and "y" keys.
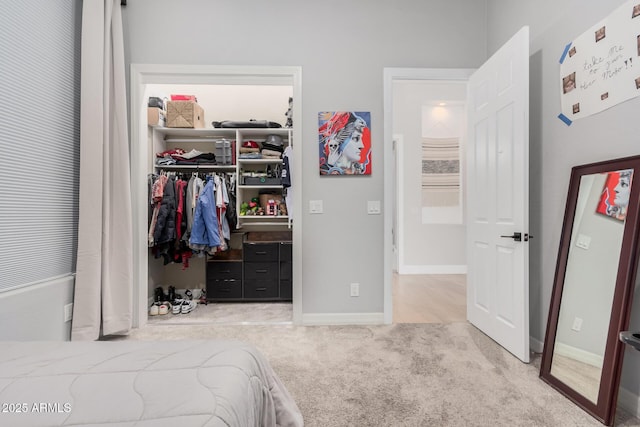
{"x": 39, "y": 140}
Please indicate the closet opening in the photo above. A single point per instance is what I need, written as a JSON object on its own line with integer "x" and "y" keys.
{"x": 253, "y": 276}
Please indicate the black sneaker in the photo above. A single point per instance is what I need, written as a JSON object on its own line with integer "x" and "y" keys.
{"x": 159, "y": 294}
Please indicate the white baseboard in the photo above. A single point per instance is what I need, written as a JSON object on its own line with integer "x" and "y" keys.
{"x": 629, "y": 402}
{"x": 535, "y": 345}
{"x": 432, "y": 269}
{"x": 309, "y": 319}
{"x": 578, "y": 354}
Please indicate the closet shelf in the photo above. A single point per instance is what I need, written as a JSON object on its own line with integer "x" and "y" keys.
{"x": 259, "y": 161}
{"x": 193, "y": 168}
{"x": 263, "y": 217}
{"x": 260, "y": 186}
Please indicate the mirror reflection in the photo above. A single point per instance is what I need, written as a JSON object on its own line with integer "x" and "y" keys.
{"x": 590, "y": 280}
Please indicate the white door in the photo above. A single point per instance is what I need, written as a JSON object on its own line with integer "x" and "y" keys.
{"x": 498, "y": 197}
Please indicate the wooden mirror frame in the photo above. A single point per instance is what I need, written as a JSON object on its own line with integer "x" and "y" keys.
{"x": 604, "y": 409}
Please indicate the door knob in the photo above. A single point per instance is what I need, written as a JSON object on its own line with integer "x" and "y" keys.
{"x": 517, "y": 236}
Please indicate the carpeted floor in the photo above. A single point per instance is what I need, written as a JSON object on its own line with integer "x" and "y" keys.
{"x": 399, "y": 375}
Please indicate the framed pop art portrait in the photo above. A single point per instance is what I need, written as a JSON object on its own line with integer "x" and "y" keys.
{"x": 344, "y": 142}
{"x": 614, "y": 199}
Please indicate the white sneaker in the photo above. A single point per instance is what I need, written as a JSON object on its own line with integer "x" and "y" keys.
{"x": 163, "y": 309}
{"x": 187, "y": 306}
{"x": 154, "y": 310}
{"x": 177, "y": 304}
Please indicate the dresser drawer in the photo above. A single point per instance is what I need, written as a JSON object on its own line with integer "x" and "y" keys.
{"x": 224, "y": 288}
{"x": 260, "y": 252}
{"x": 261, "y": 270}
{"x": 265, "y": 289}
{"x": 224, "y": 270}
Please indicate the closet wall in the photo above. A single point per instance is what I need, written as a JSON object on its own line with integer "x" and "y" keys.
{"x": 219, "y": 102}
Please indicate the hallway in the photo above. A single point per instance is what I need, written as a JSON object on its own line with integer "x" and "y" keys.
{"x": 433, "y": 298}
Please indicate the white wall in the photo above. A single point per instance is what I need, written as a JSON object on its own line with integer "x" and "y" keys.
{"x": 425, "y": 247}
{"x": 556, "y": 147}
{"x": 342, "y": 59}
{"x": 37, "y": 312}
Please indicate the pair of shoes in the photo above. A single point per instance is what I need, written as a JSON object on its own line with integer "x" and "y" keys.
{"x": 159, "y": 308}
{"x": 183, "y": 306}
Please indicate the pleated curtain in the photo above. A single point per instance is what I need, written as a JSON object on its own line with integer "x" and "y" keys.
{"x": 104, "y": 273}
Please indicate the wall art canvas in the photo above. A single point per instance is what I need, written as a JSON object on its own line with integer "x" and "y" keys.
{"x": 615, "y": 194}
{"x": 344, "y": 142}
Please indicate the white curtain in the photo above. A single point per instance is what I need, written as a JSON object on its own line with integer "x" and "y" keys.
{"x": 104, "y": 273}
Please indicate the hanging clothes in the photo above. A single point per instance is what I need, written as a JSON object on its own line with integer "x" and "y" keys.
{"x": 231, "y": 213}
{"x": 194, "y": 187}
{"x": 205, "y": 233}
{"x": 221, "y": 207}
{"x": 287, "y": 168}
{"x": 157, "y": 192}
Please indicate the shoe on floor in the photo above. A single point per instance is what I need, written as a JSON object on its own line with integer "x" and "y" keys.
{"x": 154, "y": 310}
{"x": 163, "y": 309}
{"x": 187, "y": 306}
{"x": 177, "y": 306}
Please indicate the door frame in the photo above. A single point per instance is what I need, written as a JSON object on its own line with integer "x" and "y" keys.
{"x": 143, "y": 74}
{"x": 390, "y": 177}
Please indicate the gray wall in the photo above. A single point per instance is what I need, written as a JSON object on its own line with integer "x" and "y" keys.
{"x": 342, "y": 48}
{"x": 555, "y": 147}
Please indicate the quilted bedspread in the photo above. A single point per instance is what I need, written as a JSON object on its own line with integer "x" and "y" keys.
{"x": 141, "y": 383}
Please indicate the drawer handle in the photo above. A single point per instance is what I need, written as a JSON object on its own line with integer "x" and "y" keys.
{"x": 261, "y": 289}
{"x": 261, "y": 252}
{"x": 225, "y": 271}
{"x": 262, "y": 271}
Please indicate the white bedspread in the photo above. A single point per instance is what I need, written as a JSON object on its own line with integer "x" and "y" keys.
{"x": 141, "y": 383}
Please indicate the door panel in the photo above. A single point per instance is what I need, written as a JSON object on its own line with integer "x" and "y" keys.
{"x": 498, "y": 168}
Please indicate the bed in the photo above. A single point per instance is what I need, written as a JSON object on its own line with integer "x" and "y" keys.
{"x": 141, "y": 383}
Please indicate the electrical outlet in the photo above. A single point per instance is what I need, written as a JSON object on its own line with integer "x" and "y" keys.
{"x": 68, "y": 312}
{"x": 577, "y": 324}
{"x": 355, "y": 289}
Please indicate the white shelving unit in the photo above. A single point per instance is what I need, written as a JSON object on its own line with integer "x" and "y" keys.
{"x": 205, "y": 140}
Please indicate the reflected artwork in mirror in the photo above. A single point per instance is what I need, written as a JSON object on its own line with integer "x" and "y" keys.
{"x": 595, "y": 273}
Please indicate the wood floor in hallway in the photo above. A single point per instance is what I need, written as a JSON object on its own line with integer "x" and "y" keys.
{"x": 433, "y": 298}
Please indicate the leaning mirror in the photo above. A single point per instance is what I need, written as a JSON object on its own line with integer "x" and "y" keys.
{"x": 595, "y": 273}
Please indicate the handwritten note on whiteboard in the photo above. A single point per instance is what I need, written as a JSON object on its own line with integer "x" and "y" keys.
{"x": 601, "y": 68}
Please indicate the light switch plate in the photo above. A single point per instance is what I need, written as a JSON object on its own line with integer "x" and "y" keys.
{"x": 373, "y": 207}
{"x": 583, "y": 241}
{"x": 315, "y": 207}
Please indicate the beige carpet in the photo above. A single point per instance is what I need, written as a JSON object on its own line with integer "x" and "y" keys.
{"x": 399, "y": 375}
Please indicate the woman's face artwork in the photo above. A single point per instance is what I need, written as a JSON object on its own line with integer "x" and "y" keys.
{"x": 353, "y": 147}
{"x": 622, "y": 190}
{"x": 614, "y": 199}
